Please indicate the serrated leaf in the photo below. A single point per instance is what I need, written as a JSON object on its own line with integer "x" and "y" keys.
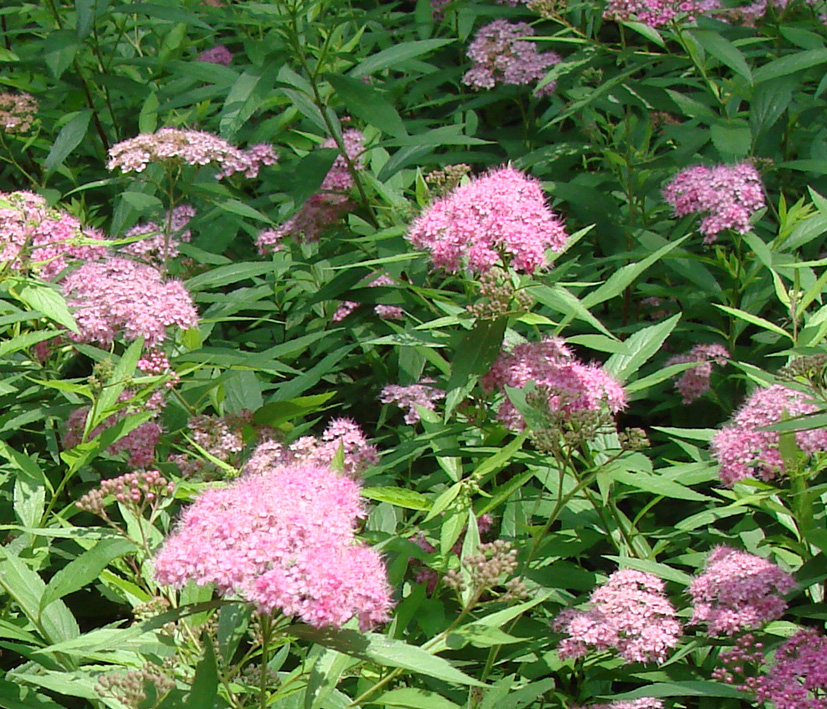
{"x": 50, "y": 303}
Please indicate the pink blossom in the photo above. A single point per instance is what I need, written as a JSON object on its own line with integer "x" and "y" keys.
{"x": 346, "y": 307}
{"x": 657, "y": 13}
{"x": 122, "y": 298}
{"x": 694, "y": 382}
{"x": 738, "y": 591}
{"x": 500, "y": 55}
{"x": 158, "y": 246}
{"x": 642, "y": 703}
{"x": 798, "y": 676}
{"x": 727, "y": 196}
{"x": 17, "y": 112}
{"x": 218, "y": 54}
{"x": 500, "y": 217}
{"x": 746, "y": 451}
{"x": 281, "y": 537}
{"x": 409, "y": 397}
{"x": 570, "y": 384}
{"x": 629, "y": 613}
{"x": 175, "y": 146}
{"x": 36, "y": 237}
{"x": 386, "y": 312}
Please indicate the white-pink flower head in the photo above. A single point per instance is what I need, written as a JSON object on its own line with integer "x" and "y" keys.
{"x": 498, "y": 218}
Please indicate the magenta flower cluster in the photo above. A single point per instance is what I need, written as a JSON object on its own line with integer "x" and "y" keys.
{"x": 726, "y": 195}
{"x": 500, "y": 217}
{"x": 571, "y": 385}
{"x": 123, "y": 298}
{"x": 35, "y": 237}
{"x": 411, "y": 396}
{"x": 738, "y": 591}
{"x": 176, "y": 146}
{"x": 500, "y": 55}
{"x": 744, "y": 450}
{"x": 797, "y": 678}
{"x": 656, "y": 13}
{"x": 282, "y": 538}
{"x": 630, "y": 613}
{"x": 326, "y": 207}
{"x": 693, "y": 383}
{"x": 158, "y": 246}
{"x": 218, "y": 54}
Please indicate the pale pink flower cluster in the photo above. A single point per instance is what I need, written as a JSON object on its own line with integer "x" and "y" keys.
{"x": 727, "y": 196}
{"x": 122, "y": 298}
{"x": 342, "y": 435}
{"x": 694, "y": 382}
{"x": 500, "y": 217}
{"x": 157, "y": 247}
{"x": 324, "y": 208}
{"x": 17, "y": 112}
{"x": 738, "y": 591}
{"x": 176, "y": 146}
{"x": 499, "y": 54}
{"x": 282, "y": 538}
{"x": 571, "y": 385}
{"x": 409, "y": 397}
{"x": 656, "y": 13}
{"x": 386, "y": 312}
{"x": 629, "y": 613}
{"x": 642, "y": 703}
{"x": 798, "y": 676}
{"x": 35, "y": 237}
{"x": 218, "y": 54}
{"x": 746, "y": 451}
{"x": 139, "y": 443}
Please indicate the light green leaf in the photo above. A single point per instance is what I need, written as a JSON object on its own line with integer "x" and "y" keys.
{"x": 791, "y": 64}
{"x": 643, "y": 345}
{"x": 50, "y": 303}
{"x": 398, "y": 496}
{"x": 395, "y": 55}
{"x": 416, "y": 698}
{"x": 754, "y": 320}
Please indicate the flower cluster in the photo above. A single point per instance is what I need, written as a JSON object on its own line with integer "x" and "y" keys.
{"x": 500, "y": 217}
{"x": 727, "y": 196}
{"x": 694, "y": 382}
{"x": 218, "y": 54}
{"x": 175, "y": 146}
{"x": 738, "y": 591}
{"x": 386, "y": 312}
{"x": 798, "y": 676}
{"x": 569, "y": 385}
{"x": 36, "y": 237}
{"x": 17, "y": 112}
{"x": 409, "y": 397}
{"x": 161, "y": 241}
{"x": 500, "y": 55}
{"x": 629, "y": 613}
{"x": 281, "y": 537}
{"x": 122, "y": 298}
{"x": 656, "y": 13}
{"x": 324, "y": 208}
{"x": 746, "y": 451}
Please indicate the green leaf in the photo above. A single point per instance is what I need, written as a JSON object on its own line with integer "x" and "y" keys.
{"x": 239, "y": 104}
{"x": 368, "y": 104}
{"x": 309, "y": 174}
{"x": 769, "y": 101}
{"x": 17, "y": 696}
{"x": 732, "y": 139}
{"x": 205, "y": 685}
{"x": 85, "y": 13}
{"x": 653, "y": 567}
{"x": 753, "y": 319}
{"x": 163, "y": 12}
{"x": 116, "y": 383}
{"x": 50, "y": 303}
{"x": 394, "y": 56}
{"x": 791, "y": 64}
{"x": 26, "y": 340}
{"x": 85, "y": 569}
{"x": 234, "y": 206}
{"x": 225, "y": 275}
{"x": 70, "y": 136}
{"x": 281, "y": 411}
{"x": 642, "y": 346}
{"x": 385, "y": 651}
{"x": 326, "y": 673}
{"x": 398, "y": 496}
{"x": 475, "y": 354}
{"x": 723, "y": 50}
{"x": 689, "y": 688}
{"x": 417, "y": 698}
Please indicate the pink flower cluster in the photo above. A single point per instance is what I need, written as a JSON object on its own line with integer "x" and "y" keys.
{"x": 746, "y": 451}
{"x": 282, "y": 538}
{"x": 158, "y": 246}
{"x": 727, "y": 196}
{"x": 218, "y": 54}
{"x": 694, "y": 382}
{"x": 656, "y": 13}
{"x": 738, "y": 591}
{"x": 798, "y": 676}
{"x": 386, "y": 312}
{"x": 570, "y": 384}
{"x": 341, "y": 437}
{"x": 409, "y": 397}
{"x": 17, "y": 112}
{"x": 500, "y": 55}
{"x": 175, "y": 146}
{"x": 139, "y": 443}
{"x": 500, "y": 217}
{"x": 324, "y": 208}
{"x": 642, "y": 703}
{"x": 36, "y": 237}
{"x": 122, "y": 298}
{"x": 629, "y": 613}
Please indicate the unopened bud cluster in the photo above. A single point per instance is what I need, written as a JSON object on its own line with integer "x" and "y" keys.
{"x": 565, "y": 428}
{"x": 444, "y": 180}
{"x": 130, "y": 687}
{"x": 633, "y": 439}
{"x": 486, "y": 568}
{"x": 501, "y": 296}
{"x": 136, "y": 490}
{"x": 809, "y": 369}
